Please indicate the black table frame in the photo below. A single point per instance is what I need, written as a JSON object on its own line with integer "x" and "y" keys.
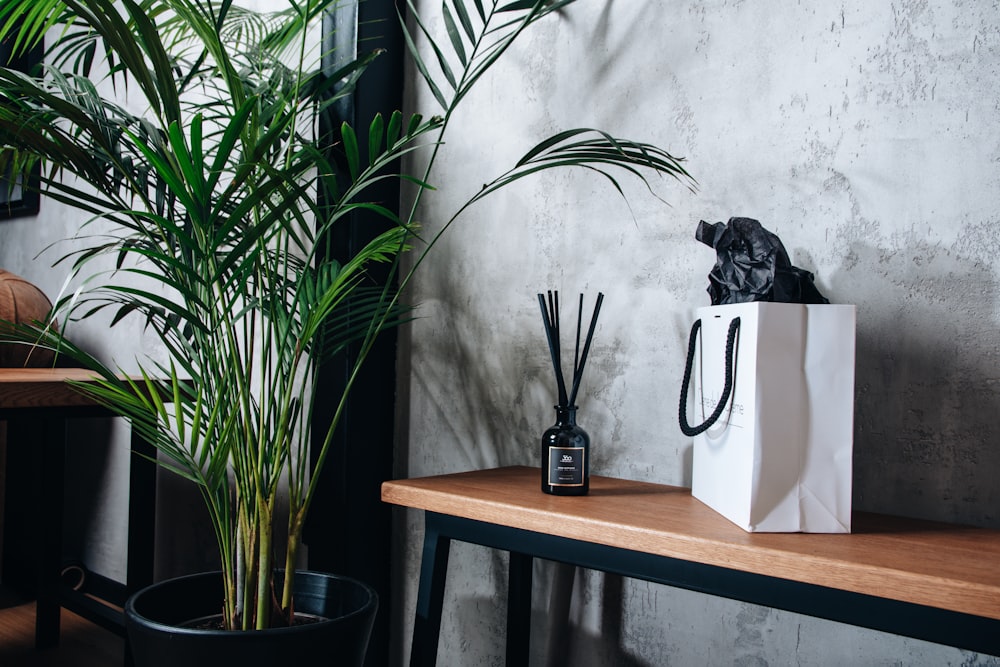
{"x": 45, "y": 428}
{"x": 966, "y": 631}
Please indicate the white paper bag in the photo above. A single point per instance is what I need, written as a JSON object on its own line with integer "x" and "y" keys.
{"x": 779, "y": 457}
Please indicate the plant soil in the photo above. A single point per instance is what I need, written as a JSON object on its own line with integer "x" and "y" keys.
{"x": 214, "y": 622}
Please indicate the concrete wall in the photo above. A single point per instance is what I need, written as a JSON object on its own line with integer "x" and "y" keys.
{"x": 862, "y": 133}
{"x": 865, "y": 135}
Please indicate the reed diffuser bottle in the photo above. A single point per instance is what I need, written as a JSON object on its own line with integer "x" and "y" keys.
{"x": 566, "y": 446}
{"x": 566, "y": 456}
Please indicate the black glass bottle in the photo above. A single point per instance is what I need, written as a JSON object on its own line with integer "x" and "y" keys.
{"x": 566, "y": 456}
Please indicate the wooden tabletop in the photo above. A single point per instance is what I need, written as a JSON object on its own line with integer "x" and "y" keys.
{"x": 935, "y": 564}
{"x": 26, "y": 388}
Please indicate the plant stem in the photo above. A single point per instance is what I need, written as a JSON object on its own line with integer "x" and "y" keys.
{"x": 263, "y": 612}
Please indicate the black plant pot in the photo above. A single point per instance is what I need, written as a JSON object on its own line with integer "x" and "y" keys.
{"x": 153, "y": 617}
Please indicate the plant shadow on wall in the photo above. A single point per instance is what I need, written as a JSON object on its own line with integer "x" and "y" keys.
{"x": 561, "y": 593}
{"x": 498, "y": 387}
{"x": 927, "y": 389}
{"x": 606, "y": 646}
{"x": 213, "y": 192}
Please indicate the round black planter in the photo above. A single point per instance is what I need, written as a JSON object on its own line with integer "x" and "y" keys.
{"x": 152, "y": 617}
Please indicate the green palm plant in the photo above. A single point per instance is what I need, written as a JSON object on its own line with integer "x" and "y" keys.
{"x": 207, "y": 224}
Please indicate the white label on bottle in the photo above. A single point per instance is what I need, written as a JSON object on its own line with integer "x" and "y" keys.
{"x": 566, "y": 466}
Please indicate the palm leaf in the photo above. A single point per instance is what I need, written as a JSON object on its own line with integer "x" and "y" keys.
{"x": 453, "y": 33}
{"x": 422, "y": 66}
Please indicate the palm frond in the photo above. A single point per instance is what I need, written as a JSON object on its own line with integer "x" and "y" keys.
{"x": 597, "y": 151}
{"x": 474, "y": 43}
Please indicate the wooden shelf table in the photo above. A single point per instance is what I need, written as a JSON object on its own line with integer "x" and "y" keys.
{"x": 38, "y": 404}
{"x": 933, "y": 581}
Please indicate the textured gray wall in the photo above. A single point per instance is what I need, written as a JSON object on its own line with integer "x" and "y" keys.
{"x": 865, "y": 135}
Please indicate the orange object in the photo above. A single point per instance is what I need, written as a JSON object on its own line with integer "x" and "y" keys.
{"x": 21, "y": 302}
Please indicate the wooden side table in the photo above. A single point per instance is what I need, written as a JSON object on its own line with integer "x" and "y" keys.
{"x": 37, "y": 405}
{"x": 933, "y": 581}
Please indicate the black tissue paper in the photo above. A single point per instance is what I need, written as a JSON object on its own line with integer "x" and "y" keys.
{"x": 752, "y": 265}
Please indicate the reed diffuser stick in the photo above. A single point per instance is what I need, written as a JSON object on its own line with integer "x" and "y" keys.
{"x": 550, "y": 320}
{"x": 553, "y": 339}
{"x": 579, "y": 320}
{"x": 578, "y": 371}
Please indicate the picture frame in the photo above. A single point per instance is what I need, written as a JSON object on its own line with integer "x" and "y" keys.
{"x": 19, "y": 199}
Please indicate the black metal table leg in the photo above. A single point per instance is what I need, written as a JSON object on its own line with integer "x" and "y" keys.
{"x": 430, "y": 595}
{"x": 52, "y": 457}
{"x": 518, "y": 609}
{"x": 141, "y": 514}
{"x": 141, "y": 520}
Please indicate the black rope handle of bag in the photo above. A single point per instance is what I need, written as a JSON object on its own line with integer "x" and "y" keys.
{"x": 687, "y": 429}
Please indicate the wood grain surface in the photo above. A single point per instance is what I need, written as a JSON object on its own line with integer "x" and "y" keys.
{"x": 935, "y": 564}
{"x": 22, "y": 388}
{"x": 81, "y": 643}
